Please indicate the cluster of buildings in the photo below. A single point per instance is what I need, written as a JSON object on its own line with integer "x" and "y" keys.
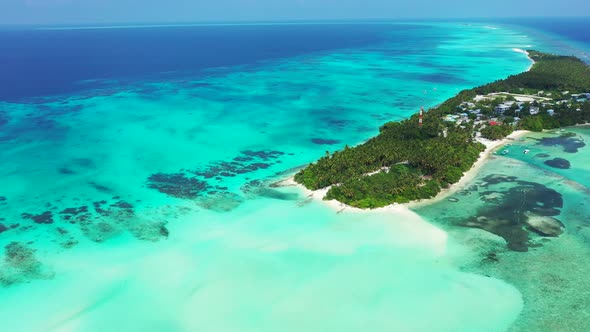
{"x": 488, "y": 110}
{"x": 581, "y": 97}
{"x": 507, "y": 105}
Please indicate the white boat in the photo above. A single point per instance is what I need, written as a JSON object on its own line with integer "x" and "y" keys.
{"x": 505, "y": 152}
{"x": 526, "y": 151}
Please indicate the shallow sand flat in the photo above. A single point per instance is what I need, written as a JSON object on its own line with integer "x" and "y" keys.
{"x": 381, "y": 270}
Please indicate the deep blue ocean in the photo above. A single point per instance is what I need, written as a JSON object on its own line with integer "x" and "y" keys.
{"x": 565, "y": 35}
{"x": 41, "y": 61}
{"x": 572, "y": 28}
{"x": 37, "y": 62}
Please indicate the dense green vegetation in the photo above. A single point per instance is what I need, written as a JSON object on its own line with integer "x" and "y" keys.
{"x": 410, "y": 163}
{"x": 562, "y": 118}
{"x": 405, "y": 162}
{"x": 552, "y": 74}
{"x": 549, "y": 73}
{"x": 497, "y": 132}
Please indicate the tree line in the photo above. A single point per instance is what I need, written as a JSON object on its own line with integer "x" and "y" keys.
{"x": 405, "y": 162}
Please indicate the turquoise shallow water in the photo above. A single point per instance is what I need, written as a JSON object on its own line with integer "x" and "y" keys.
{"x": 94, "y": 189}
{"x": 552, "y": 275}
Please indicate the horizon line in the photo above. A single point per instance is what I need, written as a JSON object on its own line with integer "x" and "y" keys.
{"x": 120, "y": 25}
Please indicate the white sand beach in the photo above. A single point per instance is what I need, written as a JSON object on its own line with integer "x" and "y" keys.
{"x": 468, "y": 176}
{"x": 519, "y": 50}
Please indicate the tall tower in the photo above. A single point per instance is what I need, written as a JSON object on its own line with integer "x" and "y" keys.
{"x": 420, "y": 118}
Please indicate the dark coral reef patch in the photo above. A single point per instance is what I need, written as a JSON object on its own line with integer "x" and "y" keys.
{"x": 65, "y": 171}
{"x": 337, "y": 123}
{"x": 204, "y": 184}
{"x": 20, "y": 265}
{"x": 177, "y": 185}
{"x": 558, "y": 163}
{"x": 101, "y": 188}
{"x": 324, "y": 141}
{"x": 247, "y": 161}
{"x": 524, "y": 208}
{"x": 569, "y": 141}
{"x": 100, "y": 222}
{"x": 43, "y": 218}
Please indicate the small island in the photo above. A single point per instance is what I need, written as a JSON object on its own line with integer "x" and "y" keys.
{"x": 408, "y": 161}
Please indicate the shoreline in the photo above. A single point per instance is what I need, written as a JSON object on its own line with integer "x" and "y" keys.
{"x": 444, "y": 193}
{"x": 525, "y": 52}
{"x": 408, "y": 207}
{"x": 472, "y": 172}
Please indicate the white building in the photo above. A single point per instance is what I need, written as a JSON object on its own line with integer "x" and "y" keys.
{"x": 502, "y": 108}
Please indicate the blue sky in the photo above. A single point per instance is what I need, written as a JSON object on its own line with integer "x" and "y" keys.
{"x": 135, "y": 11}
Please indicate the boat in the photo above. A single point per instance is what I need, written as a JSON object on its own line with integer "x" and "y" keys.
{"x": 526, "y": 151}
{"x": 505, "y": 152}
